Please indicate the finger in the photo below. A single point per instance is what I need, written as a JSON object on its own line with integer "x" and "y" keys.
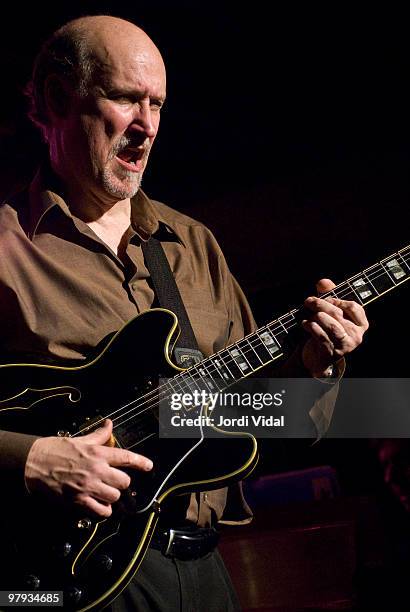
{"x": 121, "y": 457}
{"x": 318, "y": 334}
{"x": 117, "y": 478}
{"x": 337, "y": 332}
{"x": 100, "y": 435}
{"x": 352, "y": 311}
{"x": 316, "y": 305}
{"x": 106, "y": 494}
{"x": 93, "y": 505}
{"x": 324, "y": 285}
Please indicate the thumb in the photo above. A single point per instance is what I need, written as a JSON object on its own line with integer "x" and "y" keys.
{"x": 100, "y": 435}
{"x": 324, "y": 285}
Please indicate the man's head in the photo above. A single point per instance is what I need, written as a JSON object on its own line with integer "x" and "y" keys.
{"x": 96, "y": 92}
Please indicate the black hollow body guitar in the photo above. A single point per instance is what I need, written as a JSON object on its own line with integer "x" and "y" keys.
{"x": 51, "y": 548}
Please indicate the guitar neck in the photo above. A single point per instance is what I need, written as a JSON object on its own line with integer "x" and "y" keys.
{"x": 265, "y": 345}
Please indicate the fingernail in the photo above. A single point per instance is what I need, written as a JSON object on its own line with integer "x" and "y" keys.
{"x": 149, "y": 465}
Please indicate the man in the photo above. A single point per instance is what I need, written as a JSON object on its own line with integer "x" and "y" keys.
{"x": 72, "y": 272}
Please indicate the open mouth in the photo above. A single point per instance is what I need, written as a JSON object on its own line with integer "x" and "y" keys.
{"x": 131, "y": 157}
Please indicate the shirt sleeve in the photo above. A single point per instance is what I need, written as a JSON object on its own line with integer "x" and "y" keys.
{"x": 14, "y": 449}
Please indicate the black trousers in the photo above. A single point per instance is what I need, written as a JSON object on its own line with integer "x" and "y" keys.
{"x": 169, "y": 585}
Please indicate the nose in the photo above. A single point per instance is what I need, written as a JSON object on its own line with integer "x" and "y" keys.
{"x": 143, "y": 120}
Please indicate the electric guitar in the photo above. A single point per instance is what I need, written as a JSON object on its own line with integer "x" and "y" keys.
{"x": 48, "y": 547}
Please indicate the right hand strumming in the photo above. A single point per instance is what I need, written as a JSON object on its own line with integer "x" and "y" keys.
{"x": 82, "y": 470}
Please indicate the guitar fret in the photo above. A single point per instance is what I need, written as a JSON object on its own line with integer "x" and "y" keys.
{"x": 223, "y": 356}
{"x": 221, "y": 368}
{"x": 241, "y": 360}
{"x": 206, "y": 379}
{"x": 269, "y": 340}
{"x": 259, "y": 347}
{"x": 357, "y": 282}
{"x": 395, "y": 270}
{"x": 405, "y": 255}
{"x": 249, "y": 354}
{"x": 345, "y": 292}
{"x": 381, "y": 280}
{"x": 403, "y": 260}
{"x": 386, "y": 271}
{"x": 279, "y": 335}
{"x": 237, "y": 359}
{"x": 210, "y": 367}
{"x": 366, "y": 276}
{"x": 178, "y": 381}
{"x": 207, "y": 366}
{"x": 202, "y": 378}
{"x": 251, "y": 342}
{"x": 288, "y": 320}
{"x": 283, "y": 327}
{"x": 192, "y": 384}
{"x": 277, "y": 332}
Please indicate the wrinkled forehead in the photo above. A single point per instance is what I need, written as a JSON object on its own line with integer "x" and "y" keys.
{"x": 131, "y": 61}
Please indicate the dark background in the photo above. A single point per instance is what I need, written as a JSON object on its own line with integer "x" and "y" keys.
{"x": 286, "y": 131}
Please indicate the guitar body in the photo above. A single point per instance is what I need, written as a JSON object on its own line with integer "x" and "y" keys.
{"x": 52, "y": 547}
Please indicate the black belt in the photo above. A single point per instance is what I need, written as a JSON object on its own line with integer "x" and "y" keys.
{"x": 185, "y": 544}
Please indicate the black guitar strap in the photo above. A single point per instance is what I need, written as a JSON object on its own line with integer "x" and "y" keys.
{"x": 186, "y": 351}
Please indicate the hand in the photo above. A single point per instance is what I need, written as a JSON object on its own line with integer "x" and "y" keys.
{"x": 82, "y": 470}
{"x": 336, "y": 328}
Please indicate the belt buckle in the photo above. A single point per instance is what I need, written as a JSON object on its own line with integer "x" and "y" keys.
{"x": 193, "y": 544}
{"x": 170, "y": 544}
{"x": 176, "y": 536}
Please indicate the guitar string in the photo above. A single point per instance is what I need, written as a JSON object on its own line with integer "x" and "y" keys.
{"x": 153, "y": 395}
{"x": 187, "y": 373}
{"x": 249, "y": 351}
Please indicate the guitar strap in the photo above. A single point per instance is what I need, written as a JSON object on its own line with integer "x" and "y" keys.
{"x": 186, "y": 351}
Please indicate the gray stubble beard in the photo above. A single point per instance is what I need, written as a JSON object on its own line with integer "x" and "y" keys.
{"x": 116, "y": 187}
{"x": 112, "y": 184}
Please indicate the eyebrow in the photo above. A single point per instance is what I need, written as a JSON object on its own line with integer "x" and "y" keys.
{"x": 130, "y": 92}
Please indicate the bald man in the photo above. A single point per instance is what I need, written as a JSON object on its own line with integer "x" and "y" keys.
{"x": 72, "y": 272}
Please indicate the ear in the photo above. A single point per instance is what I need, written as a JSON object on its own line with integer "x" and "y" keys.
{"x": 57, "y": 95}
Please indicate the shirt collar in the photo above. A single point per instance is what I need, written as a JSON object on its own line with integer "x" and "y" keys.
{"x": 44, "y": 194}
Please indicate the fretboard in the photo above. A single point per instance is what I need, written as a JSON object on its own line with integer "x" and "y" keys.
{"x": 266, "y": 344}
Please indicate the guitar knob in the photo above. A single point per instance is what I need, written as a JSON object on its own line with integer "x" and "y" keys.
{"x": 104, "y": 562}
{"x": 32, "y": 582}
{"x": 84, "y": 523}
{"x": 74, "y": 594}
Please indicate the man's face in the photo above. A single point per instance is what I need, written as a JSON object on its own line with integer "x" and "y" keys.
{"x": 109, "y": 133}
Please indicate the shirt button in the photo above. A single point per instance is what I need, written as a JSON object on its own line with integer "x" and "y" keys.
{"x": 205, "y": 496}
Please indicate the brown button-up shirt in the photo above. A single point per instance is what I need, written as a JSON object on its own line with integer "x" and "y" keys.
{"x": 62, "y": 290}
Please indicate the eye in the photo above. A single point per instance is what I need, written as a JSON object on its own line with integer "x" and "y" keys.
{"x": 122, "y": 99}
{"x": 156, "y": 105}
